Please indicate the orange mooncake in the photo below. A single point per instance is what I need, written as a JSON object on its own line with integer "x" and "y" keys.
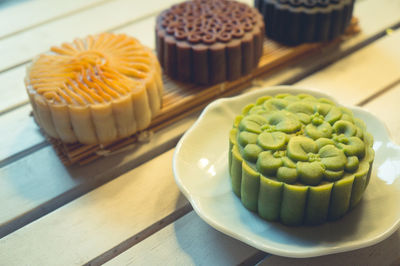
{"x": 95, "y": 90}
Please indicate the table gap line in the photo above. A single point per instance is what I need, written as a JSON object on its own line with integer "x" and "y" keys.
{"x": 23, "y": 153}
{"x": 65, "y": 15}
{"x": 378, "y": 93}
{"x": 49, "y": 206}
{"x": 14, "y": 107}
{"x": 258, "y": 257}
{"x": 136, "y": 20}
{"x": 15, "y": 66}
{"x": 140, "y": 236}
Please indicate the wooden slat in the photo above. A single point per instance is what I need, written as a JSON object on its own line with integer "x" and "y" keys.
{"x": 189, "y": 241}
{"x": 369, "y": 61}
{"x": 84, "y": 213}
{"x": 12, "y": 89}
{"x": 137, "y": 29}
{"x": 363, "y": 73}
{"x": 384, "y": 253}
{"x": 172, "y": 245}
{"x": 24, "y": 15}
{"x": 387, "y": 107}
{"x": 14, "y": 139}
{"x": 377, "y": 10}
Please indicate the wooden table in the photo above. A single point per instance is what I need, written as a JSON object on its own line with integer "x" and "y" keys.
{"x": 126, "y": 208}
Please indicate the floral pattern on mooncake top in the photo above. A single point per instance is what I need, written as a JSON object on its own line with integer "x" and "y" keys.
{"x": 95, "y": 90}
{"x": 299, "y": 159}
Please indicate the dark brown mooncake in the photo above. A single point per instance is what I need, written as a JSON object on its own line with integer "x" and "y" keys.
{"x": 294, "y": 22}
{"x": 209, "y": 41}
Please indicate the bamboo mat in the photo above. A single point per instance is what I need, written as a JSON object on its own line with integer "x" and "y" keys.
{"x": 182, "y": 99}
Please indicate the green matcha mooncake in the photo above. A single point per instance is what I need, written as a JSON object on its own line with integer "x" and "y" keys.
{"x": 298, "y": 159}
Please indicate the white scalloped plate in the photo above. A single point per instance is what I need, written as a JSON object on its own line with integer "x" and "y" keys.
{"x": 200, "y": 166}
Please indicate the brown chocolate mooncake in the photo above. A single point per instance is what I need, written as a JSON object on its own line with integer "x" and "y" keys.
{"x": 209, "y": 41}
{"x": 294, "y": 22}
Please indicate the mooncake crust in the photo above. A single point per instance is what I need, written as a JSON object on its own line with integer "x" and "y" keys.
{"x": 298, "y": 159}
{"x": 293, "y": 22}
{"x": 209, "y": 41}
{"x": 95, "y": 90}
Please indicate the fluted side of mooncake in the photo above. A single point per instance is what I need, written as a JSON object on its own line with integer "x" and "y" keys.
{"x": 294, "y": 22}
{"x": 298, "y": 159}
{"x": 209, "y": 41}
{"x": 95, "y": 90}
